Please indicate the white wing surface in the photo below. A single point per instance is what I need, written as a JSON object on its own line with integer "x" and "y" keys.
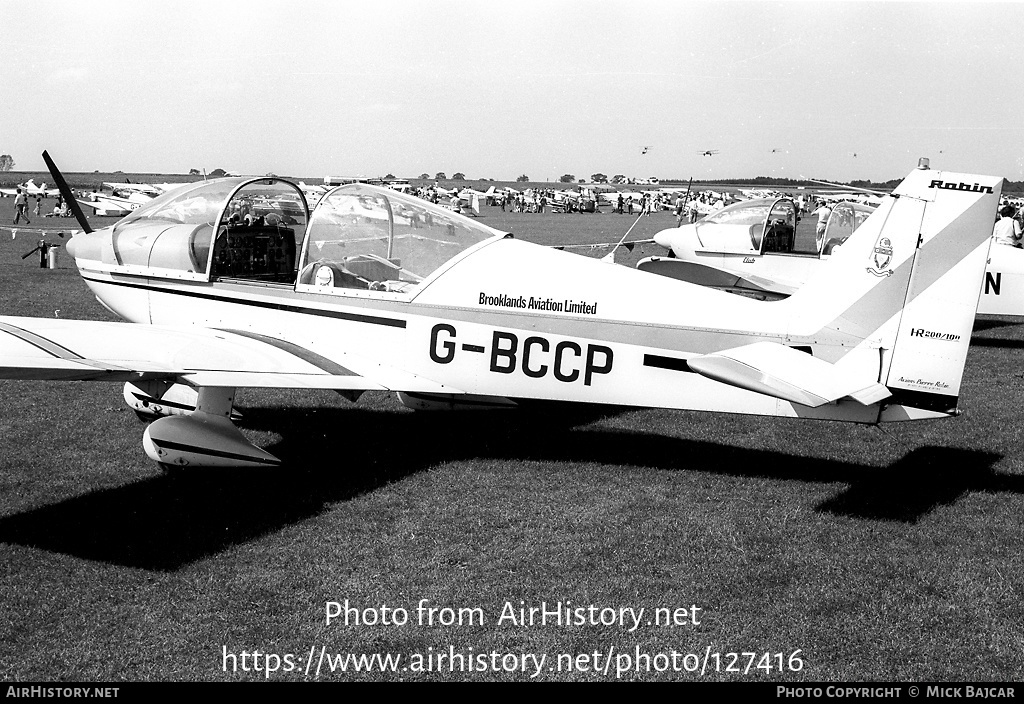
{"x": 84, "y": 350}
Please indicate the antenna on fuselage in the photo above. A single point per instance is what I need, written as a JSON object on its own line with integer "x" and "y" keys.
{"x": 610, "y": 257}
{"x": 67, "y": 194}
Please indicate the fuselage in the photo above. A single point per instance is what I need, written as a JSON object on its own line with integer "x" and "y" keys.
{"x": 479, "y": 328}
{"x": 387, "y": 279}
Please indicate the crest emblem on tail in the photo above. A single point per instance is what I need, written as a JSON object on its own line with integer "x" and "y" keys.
{"x": 882, "y": 255}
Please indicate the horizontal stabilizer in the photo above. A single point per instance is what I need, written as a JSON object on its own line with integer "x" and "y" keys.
{"x": 783, "y": 372}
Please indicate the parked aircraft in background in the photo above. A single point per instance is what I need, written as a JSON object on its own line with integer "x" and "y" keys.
{"x": 380, "y": 290}
{"x": 122, "y": 199}
{"x": 29, "y": 188}
{"x": 107, "y": 205}
{"x": 762, "y": 248}
{"x": 126, "y": 188}
{"x": 313, "y": 192}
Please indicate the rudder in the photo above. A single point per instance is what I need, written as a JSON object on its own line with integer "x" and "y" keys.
{"x": 929, "y": 351}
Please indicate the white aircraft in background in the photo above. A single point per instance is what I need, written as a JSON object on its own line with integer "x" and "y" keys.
{"x": 380, "y": 290}
{"x": 465, "y": 201}
{"x": 29, "y": 188}
{"x": 144, "y": 189}
{"x": 120, "y": 201}
{"x": 313, "y": 192}
{"x": 761, "y": 248}
{"x": 166, "y": 187}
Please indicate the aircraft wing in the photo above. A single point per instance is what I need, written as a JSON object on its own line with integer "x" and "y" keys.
{"x": 87, "y": 350}
{"x": 101, "y": 205}
{"x": 714, "y": 277}
{"x": 791, "y": 375}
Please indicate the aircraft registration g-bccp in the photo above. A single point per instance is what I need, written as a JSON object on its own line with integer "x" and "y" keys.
{"x": 234, "y": 283}
{"x": 761, "y": 248}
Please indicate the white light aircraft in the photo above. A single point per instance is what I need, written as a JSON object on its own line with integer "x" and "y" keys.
{"x": 144, "y": 189}
{"x": 115, "y": 203}
{"x": 760, "y": 248}
{"x": 312, "y": 192}
{"x": 467, "y": 200}
{"x": 29, "y": 188}
{"x": 379, "y": 290}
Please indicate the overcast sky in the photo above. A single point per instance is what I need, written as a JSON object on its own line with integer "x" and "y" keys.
{"x": 832, "y": 90}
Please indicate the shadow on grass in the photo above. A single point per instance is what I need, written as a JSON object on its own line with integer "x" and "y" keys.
{"x": 924, "y": 478}
{"x": 333, "y": 455}
{"x": 996, "y": 342}
{"x": 983, "y": 323}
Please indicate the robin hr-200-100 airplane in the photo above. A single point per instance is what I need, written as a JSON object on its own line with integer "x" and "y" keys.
{"x": 762, "y": 248}
{"x": 234, "y": 283}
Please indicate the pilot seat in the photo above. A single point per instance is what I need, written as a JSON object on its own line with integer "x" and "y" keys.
{"x": 255, "y": 249}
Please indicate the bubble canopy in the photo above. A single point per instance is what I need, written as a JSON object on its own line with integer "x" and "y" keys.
{"x": 244, "y": 229}
{"x": 237, "y": 227}
{"x": 373, "y": 238}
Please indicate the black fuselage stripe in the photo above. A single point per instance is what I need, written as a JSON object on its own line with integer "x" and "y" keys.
{"x": 307, "y": 356}
{"x": 672, "y": 363}
{"x": 354, "y": 317}
{"x": 212, "y": 453}
{"x": 146, "y": 400}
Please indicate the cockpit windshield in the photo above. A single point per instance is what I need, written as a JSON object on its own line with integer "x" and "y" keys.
{"x": 193, "y": 204}
{"x": 372, "y": 238}
{"x": 846, "y": 217}
{"x": 735, "y": 228}
{"x": 762, "y": 225}
{"x": 747, "y": 212}
{"x": 251, "y": 225}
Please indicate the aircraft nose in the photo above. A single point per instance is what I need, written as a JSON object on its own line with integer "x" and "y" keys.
{"x": 665, "y": 238}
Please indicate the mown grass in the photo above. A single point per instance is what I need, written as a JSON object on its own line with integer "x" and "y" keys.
{"x": 883, "y": 554}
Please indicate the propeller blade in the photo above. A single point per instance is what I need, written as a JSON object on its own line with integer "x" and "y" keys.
{"x": 65, "y": 191}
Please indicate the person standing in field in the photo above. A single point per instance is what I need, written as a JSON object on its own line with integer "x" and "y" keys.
{"x": 823, "y": 212}
{"x": 20, "y": 206}
{"x": 1007, "y": 230}
{"x": 39, "y": 204}
{"x": 680, "y": 209}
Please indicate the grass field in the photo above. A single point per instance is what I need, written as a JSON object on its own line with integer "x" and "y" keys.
{"x": 884, "y": 554}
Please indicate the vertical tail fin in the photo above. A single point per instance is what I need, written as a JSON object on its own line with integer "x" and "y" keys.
{"x": 930, "y": 345}
{"x": 904, "y": 289}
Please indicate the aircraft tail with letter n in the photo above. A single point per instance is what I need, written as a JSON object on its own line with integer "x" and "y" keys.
{"x": 907, "y": 285}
